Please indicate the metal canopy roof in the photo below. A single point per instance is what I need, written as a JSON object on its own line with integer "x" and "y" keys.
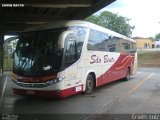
{"x": 42, "y": 11}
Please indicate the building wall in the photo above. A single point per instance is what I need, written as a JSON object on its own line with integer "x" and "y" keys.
{"x": 145, "y": 43}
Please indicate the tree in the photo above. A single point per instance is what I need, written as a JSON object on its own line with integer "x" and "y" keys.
{"x": 113, "y": 22}
{"x": 157, "y": 37}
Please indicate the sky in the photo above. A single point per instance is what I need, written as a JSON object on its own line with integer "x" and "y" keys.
{"x": 144, "y": 15}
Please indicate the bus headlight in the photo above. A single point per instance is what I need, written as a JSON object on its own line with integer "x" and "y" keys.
{"x": 61, "y": 78}
{"x": 57, "y": 80}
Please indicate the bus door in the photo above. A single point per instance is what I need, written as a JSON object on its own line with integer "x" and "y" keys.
{"x": 72, "y": 74}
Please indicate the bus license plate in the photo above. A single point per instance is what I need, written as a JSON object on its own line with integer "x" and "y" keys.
{"x": 30, "y": 92}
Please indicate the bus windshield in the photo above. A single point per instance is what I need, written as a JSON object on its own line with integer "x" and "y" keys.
{"x": 37, "y": 52}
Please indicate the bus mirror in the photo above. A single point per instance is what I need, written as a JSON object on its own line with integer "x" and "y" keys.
{"x": 71, "y": 37}
{"x": 12, "y": 54}
{"x": 63, "y": 37}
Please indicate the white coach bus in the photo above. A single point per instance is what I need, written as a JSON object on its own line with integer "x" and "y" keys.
{"x": 66, "y": 58}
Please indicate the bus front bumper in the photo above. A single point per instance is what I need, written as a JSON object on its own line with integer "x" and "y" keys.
{"x": 48, "y": 93}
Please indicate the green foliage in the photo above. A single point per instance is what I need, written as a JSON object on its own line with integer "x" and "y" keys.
{"x": 92, "y": 19}
{"x": 151, "y": 38}
{"x": 113, "y": 22}
{"x": 157, "y": 37}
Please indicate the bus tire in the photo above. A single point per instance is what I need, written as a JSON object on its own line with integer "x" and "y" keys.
{"x": 89, "y": 85}
{"x": 127, "y": 75}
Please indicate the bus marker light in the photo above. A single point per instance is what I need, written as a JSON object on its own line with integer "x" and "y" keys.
{"x": 78, "y": 88}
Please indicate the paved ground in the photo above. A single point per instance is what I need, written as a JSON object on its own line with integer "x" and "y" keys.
{"x": 141, "y": 101}
{"x": 77, "y": 107}
{"x": 143, "y": 97}
{"x": 136, "y": 96}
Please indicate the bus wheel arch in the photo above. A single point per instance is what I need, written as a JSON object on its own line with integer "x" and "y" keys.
{"x": 90, "y": 83}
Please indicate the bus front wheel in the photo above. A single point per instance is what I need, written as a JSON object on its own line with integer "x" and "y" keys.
{"x": 89, "y": 85}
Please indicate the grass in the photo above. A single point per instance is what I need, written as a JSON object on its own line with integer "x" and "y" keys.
{"x": 151, "y": 59}
{"x": 7, "y": 66}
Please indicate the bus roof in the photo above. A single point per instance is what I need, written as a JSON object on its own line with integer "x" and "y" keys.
{"x": 58, "y": 24}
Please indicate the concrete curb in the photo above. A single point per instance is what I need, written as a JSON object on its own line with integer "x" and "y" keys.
{"x": 101, "y": 110}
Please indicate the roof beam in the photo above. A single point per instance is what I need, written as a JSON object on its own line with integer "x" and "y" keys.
{"x": 30, "y": 18}
{"x": 15, "y": 28}
{"x": 82, "y": 13}
{"x": 51, "y": 3}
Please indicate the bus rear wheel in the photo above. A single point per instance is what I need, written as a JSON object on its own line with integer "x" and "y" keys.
{"x": 127, "y": 75}
{"x": 89, "y": 85}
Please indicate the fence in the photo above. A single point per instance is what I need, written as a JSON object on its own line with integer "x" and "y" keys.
{"x": 150, "y": 65}
{"x": 148, "y": 50}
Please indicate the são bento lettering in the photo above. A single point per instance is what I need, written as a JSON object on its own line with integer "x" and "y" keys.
{"x": 104, "y": 59}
